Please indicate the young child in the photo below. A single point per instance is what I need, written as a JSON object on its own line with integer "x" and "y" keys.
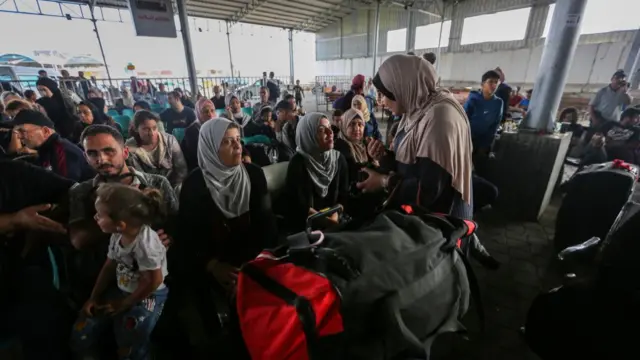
{"x": 137, "y": 260}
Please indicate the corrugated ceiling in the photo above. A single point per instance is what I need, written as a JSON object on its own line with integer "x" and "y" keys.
{"x": 302, "y": 15}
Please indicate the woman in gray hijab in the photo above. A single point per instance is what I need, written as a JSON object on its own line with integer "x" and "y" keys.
{"x": 318, "y": 175}
{"x": 225, "y": 213}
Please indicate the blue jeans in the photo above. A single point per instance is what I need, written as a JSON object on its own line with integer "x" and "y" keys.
{"x": 132, "y": 329}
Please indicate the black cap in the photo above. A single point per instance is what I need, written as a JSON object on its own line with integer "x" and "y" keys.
{"x": 32, "y": 117}
{"x": 619, "y": 74}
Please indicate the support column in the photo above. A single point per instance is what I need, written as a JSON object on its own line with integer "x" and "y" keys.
{"x": 229, "y": 45}
{"x": 376, "y": 34}
{"x": 438, "y": 51}
{"x": 557, "y": 56}
{"x": 633, "y": 61}
{"x": 188, "y": 48}
{"x": 410, "y": 44}
{"x": 92, "y": 6}
{"x": 291, "y": 75}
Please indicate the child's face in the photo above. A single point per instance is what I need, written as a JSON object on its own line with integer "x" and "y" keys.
{"x": 106, "y": 224}
{"x": 266, "y": 117}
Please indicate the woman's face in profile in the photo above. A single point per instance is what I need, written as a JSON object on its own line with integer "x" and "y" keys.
{"x": 324, "y": 135}
{"x": 230, "y": 151}
{"x": 392, "y": 105}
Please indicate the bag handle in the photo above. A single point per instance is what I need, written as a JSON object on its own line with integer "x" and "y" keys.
{"x": 453, "y": 228}
{"x": 310, "y": 238}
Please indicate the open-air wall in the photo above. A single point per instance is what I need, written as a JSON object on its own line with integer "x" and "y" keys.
{"x": 346, "y": 47}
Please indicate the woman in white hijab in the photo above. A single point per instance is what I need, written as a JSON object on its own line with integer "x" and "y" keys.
{"x": 317, "y": 177}
{"x": 433, "y": 142}
{"x": 225, "y": 213}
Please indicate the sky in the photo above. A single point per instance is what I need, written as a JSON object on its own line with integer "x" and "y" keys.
{"x": 254, "y": 48}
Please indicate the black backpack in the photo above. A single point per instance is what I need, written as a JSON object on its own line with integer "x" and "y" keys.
{"x": 398, "y": 280}
{"x": 594, "y": 197}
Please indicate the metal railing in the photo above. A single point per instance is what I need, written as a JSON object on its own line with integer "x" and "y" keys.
{"x": 327, "y": 88}
{"x": 246, "y": 88}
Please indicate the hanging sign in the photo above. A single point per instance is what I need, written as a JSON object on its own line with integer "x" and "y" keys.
{"x": 153, "y": 18}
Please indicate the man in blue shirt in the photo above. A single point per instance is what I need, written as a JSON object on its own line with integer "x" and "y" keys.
{"x": 484, "y": 110}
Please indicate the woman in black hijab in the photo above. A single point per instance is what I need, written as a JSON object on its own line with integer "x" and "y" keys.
{"x": 60, "y": 110}
{"x": 103, "y": 118}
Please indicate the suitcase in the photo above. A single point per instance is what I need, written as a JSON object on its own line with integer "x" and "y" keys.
{"x": 594, "y": 197}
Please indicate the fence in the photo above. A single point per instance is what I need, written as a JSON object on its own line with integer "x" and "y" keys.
{"x": 328, "y": 88}
{"x": 246, "y": 88}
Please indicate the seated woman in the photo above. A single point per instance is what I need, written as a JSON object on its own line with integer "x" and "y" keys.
{"x": 101, "y": 105}
{"x": 89, "y": 115}
{"x": 350, "y": 142}
{"x": 433, "y": 143}
{"x": 205, "y": 112}
{"x": 370, "y": 123}
{"x": 318, "y": 176}
{"x": 225, "y": 213}
{"x": 155, "y": 152}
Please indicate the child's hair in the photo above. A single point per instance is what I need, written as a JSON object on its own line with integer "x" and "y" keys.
{"x": 131, "y": 205}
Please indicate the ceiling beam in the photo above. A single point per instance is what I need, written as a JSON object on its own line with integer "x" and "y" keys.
{"x": 249, "y": 8}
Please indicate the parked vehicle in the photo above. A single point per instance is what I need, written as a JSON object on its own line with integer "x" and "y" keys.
{"x": 23, "y": 77}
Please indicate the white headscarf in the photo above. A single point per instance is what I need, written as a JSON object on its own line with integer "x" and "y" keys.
{"x": 229, "y": 186}
{"x": 321, "y": 166}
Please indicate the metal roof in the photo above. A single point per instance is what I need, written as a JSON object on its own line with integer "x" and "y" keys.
{"x": 302, "y": 15}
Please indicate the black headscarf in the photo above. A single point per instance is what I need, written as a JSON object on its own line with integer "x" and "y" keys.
{"x": 57, "y": 108}
{"x": 100, "y": 103}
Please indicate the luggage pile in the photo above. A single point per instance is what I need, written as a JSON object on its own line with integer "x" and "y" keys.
{"x": 384, "y": 289}
{"x": 594, "y": 313}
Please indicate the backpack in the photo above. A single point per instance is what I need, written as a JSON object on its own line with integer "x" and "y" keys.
{"x": 594, "y": 197}
{"x": 382, "y": 289}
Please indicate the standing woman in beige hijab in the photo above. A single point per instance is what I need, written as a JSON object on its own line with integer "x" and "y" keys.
{"x": 433, "y": 143}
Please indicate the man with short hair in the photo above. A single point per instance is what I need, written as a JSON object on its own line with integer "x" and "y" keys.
{"x": 274, "y": 88}
{"x": 218, "y": 99}
{"x": 336, "y": 119}
{"x": 36, "y": 131}
{"x": 608, "y": 102}
{"x": 186, "y": 101}
{"x": 42, "y": 74}
{"x": 286, "y": 124}
{"x": 504, "y": 93}
{"x": 84, "y": 84}
{"x": 161, "y": 97}
{"x": 178, "y": 115}
{"x": 484, "y": 110}
{"x": 264, "y": 101}
{"x": 299, "y": 93}
{"x": 106, "y": 153}
{"x": 155, "y": 152}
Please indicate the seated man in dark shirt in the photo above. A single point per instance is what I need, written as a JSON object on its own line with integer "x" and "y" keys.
{"x": 178, "y": 115}
{"x": 54, "y": 152}
{"x": 615, "y": 140}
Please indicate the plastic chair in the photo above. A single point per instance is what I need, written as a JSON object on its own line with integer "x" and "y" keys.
{"x": 112, "y": 112}
{"x": 220, "y": 112}
{"x": 248, "y": 111}
{"x": 127, "y": 112}
{"x": 178, "y": 133}
{"x": 156, "y": 108}
{"x": 124, "y": 121}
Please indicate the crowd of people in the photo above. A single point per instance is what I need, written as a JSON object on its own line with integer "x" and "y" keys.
{"x": 148, "y": 220}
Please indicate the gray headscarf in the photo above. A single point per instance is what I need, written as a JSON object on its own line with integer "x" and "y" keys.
{"x": 321, "y": 166}
{"x": 229, "y": 186}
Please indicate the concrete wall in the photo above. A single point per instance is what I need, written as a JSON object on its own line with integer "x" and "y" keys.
{"x": 345, "y": 48}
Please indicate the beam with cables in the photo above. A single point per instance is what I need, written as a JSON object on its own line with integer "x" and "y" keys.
{"x": 249, "y": 8}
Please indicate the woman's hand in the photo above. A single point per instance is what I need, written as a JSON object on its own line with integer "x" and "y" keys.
{"x": 164, "y": 238}
{"x": 374, "y": 182}
{"x": 225, "y": 274}
{"x": 375, "y": 149}
{"x": 88, "y": 307}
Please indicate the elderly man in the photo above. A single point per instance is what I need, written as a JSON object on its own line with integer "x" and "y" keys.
{"x": 36, "y": 131}
{"x": 609, "y": 101}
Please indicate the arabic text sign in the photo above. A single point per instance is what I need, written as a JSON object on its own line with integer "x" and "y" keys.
{"x": 153, "y": 18}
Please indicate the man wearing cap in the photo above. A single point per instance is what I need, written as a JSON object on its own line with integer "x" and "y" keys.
{"x": 36, "y": 131}
{"x": 357, "y": 88}
{"x": 608, "y": 103}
